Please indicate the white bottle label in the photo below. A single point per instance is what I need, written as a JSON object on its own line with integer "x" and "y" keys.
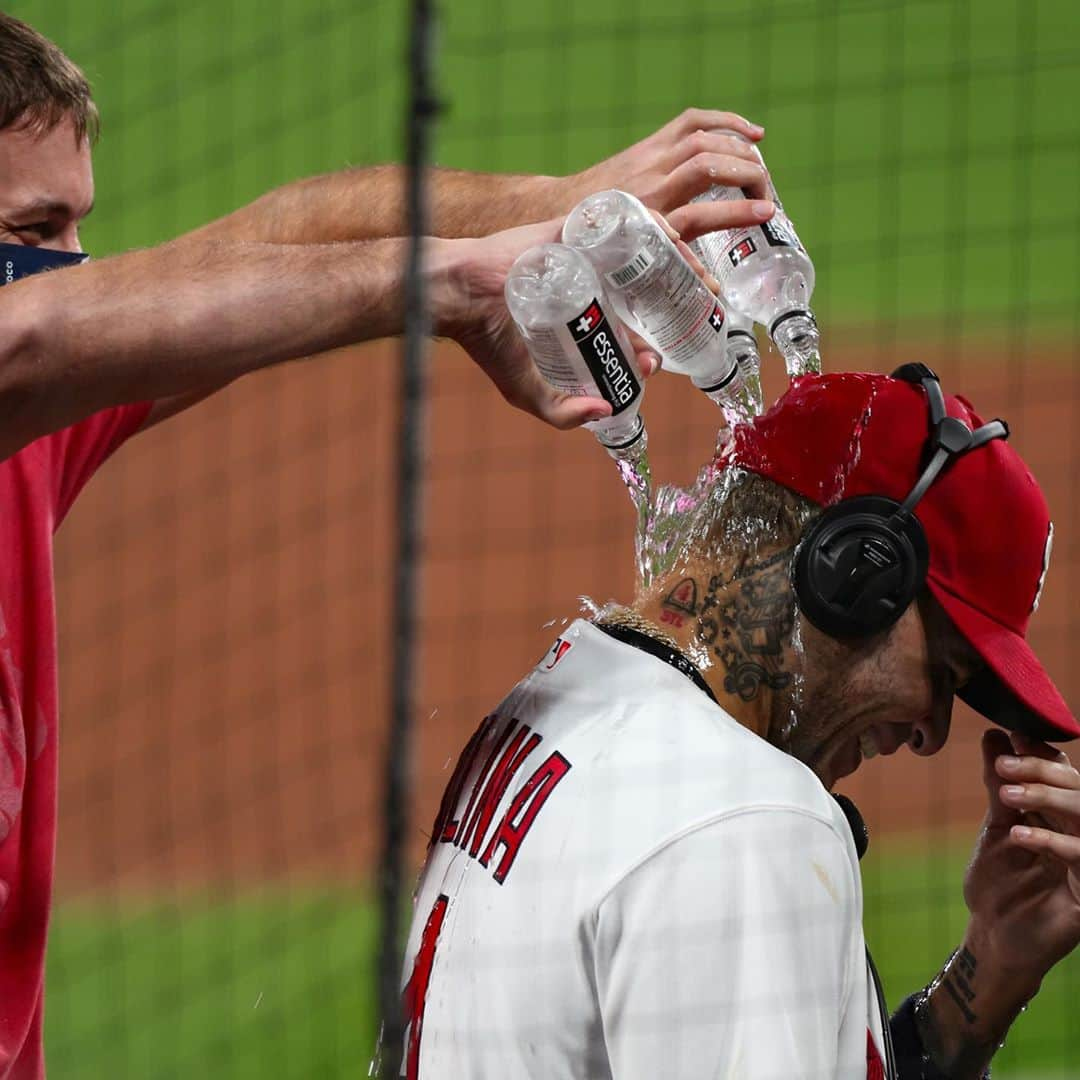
{"x": 632, "y": 270}
{"x": 587, "y": 356}
{"x": 672, "y": 304}
{"x": 722, "y": 251}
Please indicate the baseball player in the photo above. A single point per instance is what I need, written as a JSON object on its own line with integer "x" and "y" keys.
{"x": 92, "y": 354}
{"x": 638, "y": 870}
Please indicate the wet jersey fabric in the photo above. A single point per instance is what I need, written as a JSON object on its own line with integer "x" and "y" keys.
{"x": 37, "y": 487}
{"x": 624, "y": 883}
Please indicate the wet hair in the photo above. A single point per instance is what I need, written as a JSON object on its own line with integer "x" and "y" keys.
{"x": 39, "y": 86}
{"x": 750, "y": 515}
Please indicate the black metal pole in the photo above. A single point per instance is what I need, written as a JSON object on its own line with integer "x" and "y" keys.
{"x": 422, "y": 107}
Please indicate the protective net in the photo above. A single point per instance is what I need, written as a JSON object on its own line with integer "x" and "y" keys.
{"x": 225, "y": 593}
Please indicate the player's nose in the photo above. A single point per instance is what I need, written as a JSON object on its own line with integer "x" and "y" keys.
{"x": 927, "y": 736}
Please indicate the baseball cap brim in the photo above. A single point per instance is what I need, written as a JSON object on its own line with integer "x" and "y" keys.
{"x": 1013, "y": 690}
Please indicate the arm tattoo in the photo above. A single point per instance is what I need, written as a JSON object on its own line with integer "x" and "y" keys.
{"x": 953, "y": 1049}
{"x": 958, "y": 984}
{"x": 749, "y": 627}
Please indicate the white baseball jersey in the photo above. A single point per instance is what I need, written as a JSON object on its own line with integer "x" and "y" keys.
{"x": 624, "y": 883}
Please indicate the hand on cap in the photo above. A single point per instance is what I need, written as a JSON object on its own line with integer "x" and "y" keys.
{"x": 1023, "y": 884}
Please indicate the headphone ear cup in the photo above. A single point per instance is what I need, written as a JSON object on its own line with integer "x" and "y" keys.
{"x": 859, "y": 566}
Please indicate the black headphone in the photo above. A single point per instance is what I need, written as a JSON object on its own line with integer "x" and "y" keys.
{"x": 861, "y": 564}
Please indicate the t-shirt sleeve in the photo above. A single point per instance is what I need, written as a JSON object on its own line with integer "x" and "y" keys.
{"x": 727, "y": 953}
{"x": 78, "y": 451}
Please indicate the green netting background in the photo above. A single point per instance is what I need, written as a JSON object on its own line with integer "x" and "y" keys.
{"x": 225, "y": 593}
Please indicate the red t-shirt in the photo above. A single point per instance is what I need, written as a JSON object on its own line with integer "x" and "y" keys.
{"x": 37, "y": 487}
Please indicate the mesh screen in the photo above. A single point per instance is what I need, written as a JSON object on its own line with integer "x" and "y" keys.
{"x": 224, "y": 585}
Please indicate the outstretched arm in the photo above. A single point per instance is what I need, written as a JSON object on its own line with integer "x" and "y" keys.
{"x": 665, "y": 170}
{"x": 167, "y": 323}
{"x": 175, "y": 319}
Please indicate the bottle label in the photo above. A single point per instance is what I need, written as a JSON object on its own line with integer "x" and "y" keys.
{"x": 587, "y": 356}
{"x": 673, "y": 305}
{"x": 779, "y": 232}
{"x": 605, "y": 358}
{"x": 722, "y": 251}
{"x": 632, "y": 270}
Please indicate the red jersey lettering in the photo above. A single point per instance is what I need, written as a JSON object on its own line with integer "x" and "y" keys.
{"x": 527, "y": 803}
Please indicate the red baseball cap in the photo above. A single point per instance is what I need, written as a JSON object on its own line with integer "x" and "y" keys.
{"x": 832, "y": 437}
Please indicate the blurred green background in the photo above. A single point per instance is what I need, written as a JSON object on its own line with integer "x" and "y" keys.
{"x": 928, "y": 147}
{"x": 928, "y": 153}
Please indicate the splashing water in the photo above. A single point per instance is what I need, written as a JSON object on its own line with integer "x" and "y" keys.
{"x": 636, "y": 472}
{"x": 854, "y": 451}
{"x": 799, "y": 342}
{"x": 795, "y": 698}
{"x": 676, "y": 517}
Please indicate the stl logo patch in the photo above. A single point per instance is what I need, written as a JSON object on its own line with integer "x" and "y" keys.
{"x": 742, "y": 250}
{"x": 716, "y": 319}
{"x": 556, "y": 653}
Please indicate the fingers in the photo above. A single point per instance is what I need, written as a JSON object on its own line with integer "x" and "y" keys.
{"x": 1039, "y": 798}
{"x": 699, "y": 267}
{"x": 563, "y": 411}
{"x": 1044, "y": 790}
{"x": 1035, "y": 785}
{"x": 699, "y": 172}
{"x": 1066, "y": 848}
{"x": 1025, "y": 744}
{"x": 670, "y": 231}
{"x": 697, "y": 219}
{"x": 648, "y": 359}
{"x": 1058, "y": 773}
{"x": 687, "y": 253}
{"x": 995, "y": 743}
{"x": 713, "y": 119}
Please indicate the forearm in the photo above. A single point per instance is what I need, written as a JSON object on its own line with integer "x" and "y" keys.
{"x": 966, "y": 1012}
{"x": 369, "y": 204}
{"x": 175, "y": 319}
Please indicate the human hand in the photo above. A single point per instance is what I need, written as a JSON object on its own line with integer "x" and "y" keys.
{"x": 469, "y": 304}
{"x": 1023, "y": 884}
{"x": 684, "y": 158}
{"x": 1023, "y": 891}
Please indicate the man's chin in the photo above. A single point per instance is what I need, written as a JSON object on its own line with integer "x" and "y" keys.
{"x": 843, "y": 761}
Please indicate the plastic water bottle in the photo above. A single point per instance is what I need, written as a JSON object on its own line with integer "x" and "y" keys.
{"x": 766, "y": 276}
{"x": 653, "y": 285}
{"x": 742, "y": 346}
{"x": 562, "y": 312}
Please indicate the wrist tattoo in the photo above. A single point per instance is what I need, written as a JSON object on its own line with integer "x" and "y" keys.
{"x": 957, "y": 982}
{"x": 955, "y": 1050}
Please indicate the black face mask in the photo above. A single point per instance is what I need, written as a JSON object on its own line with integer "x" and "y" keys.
{"x": 19, "y": 261}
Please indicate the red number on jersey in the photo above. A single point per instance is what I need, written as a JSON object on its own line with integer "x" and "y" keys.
{"x": 415, "y": 993}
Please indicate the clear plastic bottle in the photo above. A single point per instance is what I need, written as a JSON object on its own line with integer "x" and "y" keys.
{"x": 654, "y": 286}
{"x": 766, "y": 275}
{"x": 561, "y": 310}
{"x": 742, "y": 346}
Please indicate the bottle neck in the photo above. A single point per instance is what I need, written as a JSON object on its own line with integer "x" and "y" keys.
{"x": 795, "y": 333}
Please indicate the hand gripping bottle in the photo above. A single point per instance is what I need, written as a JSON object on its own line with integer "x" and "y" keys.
{"x": 766, "y": 275}
{"x": 653, "y": 285}
{"x": 563, "y": 314}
